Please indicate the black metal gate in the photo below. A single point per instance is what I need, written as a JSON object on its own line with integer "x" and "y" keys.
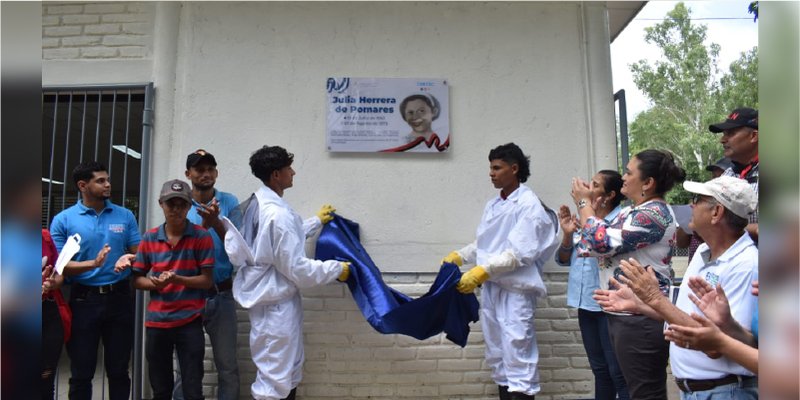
{"x": 110, "y": 124}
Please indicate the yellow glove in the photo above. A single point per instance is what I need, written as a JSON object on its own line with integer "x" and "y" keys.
{"x": 453, "y": 258}
{"x": 324, "y": 213}
{"x": 345, "y": 272}
{"x": 472, "y": 279}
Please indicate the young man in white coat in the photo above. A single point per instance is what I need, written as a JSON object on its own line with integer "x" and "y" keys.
{"x": 516, "y": 235}
{"x": 273, "y": 267}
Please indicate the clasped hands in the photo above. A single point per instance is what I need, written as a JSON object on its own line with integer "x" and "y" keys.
{"x": 639, "y": 287}
{"x": 123, "y": 262}
{"x": 581, "y": 190}
{"x": 163, "y": 279}
{"x": 715, "y": 326}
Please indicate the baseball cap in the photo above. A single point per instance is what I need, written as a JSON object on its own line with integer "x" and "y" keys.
{"x": 175, "y": 188}
{"x": 738, "y": 117}
{"x": 734, "y": 194}
{"x": 200, "y": 155}
{"x": 723, "y": 164}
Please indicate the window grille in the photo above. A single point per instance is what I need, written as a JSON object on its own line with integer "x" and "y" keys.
{"x": 110, "y": 124}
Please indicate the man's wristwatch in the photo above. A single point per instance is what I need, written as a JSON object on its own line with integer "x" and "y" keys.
{"x": 581, "y": 204}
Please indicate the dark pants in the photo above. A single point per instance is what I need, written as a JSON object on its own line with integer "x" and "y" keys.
{"x": 642, "y": 353}
{"x": 219, "y": 320}
{"x": 95, "y": 317}
{"x": 52, "y": 342}
{"x": 608, "y": 379}
{"x": 189, "y": 342}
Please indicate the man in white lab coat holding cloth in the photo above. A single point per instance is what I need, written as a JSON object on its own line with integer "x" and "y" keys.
{"x": 272, "y": 266}
{"x": 516, "y": 235}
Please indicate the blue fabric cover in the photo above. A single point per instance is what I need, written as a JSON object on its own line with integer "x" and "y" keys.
{"x": 442, "y": 309}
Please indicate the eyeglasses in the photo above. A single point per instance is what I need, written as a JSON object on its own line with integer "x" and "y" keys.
{"x": 699, "y": 198}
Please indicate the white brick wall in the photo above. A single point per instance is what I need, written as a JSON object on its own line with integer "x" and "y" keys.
{"x": 117, "y": 30}
{"x": 347, "y": 359}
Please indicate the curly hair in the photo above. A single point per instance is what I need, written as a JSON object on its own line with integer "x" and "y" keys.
{"x": 85, "y": 171}
{"x": 512, "y": 154}
{"x": 266, "y": 160}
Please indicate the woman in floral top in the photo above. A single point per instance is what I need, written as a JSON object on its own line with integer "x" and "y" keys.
{"x": 644, "y": 231}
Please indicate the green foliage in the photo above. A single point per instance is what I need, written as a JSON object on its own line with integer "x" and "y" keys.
{"x": 740, "y": 86}
{"x": 687, "y": 95}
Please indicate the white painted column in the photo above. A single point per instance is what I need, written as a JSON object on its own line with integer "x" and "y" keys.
{"x": 601, "y": 135}
{"x": 164, "y": 161}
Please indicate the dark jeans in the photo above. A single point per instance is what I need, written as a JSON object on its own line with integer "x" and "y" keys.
{"x": 642, "y": 353}
{"x": 608, "y": 379}
{"x": 95, "y": 317}
{"x": 219, "y": 320}
{"x": 52, "y": 342}
{"x": 189, "y": 342}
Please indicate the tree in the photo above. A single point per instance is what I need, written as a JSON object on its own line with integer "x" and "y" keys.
{"x": 687, "y": 95}
{"x": 740, "y": 86}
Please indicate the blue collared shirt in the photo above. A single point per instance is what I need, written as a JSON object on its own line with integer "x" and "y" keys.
{"x": 228, "y": 207}
{"x": 115, "y": 226}
{"x": 583, "y": 275}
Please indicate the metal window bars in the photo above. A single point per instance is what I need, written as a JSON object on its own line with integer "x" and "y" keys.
{"x": 110, "y": 124}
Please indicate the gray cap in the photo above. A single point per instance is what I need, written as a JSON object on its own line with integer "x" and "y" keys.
{"x": 733, "y": 193}
{"x": 723, "y": 164}
{"x": 175, "y": 188}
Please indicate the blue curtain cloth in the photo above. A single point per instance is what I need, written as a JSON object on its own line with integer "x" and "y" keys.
{"x": 442, "y": 309}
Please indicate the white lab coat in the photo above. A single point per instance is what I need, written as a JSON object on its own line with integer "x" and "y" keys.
{"x": 521, "y": 227}
{"x": 270, "y": 271}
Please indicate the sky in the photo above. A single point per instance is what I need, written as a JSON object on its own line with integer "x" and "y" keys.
{"x": 733, "y": 35}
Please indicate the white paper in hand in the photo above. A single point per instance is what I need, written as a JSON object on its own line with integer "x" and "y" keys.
{"x": 71, "y": 248}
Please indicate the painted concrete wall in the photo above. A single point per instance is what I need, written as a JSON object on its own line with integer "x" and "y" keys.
{"x": 232, "y": 77}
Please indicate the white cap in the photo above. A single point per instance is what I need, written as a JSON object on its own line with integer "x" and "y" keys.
{"x": 733, "y": 193}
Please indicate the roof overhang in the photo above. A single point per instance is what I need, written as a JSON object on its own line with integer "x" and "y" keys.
{"x": 620, "y": 14}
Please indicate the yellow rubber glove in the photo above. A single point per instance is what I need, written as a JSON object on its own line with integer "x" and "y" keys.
{"x": 324, "y": 213}
{"x": 454, "y": 258}
{"x": 472, "y": 279}
{"x": 345, "y": 272}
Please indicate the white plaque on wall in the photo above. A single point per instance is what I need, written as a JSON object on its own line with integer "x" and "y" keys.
{"x": 388, "y": 115}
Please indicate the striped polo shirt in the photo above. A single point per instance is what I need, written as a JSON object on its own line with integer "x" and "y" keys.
{"x": 174, "y": 305}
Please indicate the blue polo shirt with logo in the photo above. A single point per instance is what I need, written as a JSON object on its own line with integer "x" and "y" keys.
{"x": 228, "y": 207}
{"x": 114, "y": 225}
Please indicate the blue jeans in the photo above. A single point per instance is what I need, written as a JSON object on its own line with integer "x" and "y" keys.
{"x": 608, "y": 379}
{"x": 95, "y": 317}
{"x": 734, "y": 391}
{"x": 190, "y": 343}
{"x": 219, "y": 318}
